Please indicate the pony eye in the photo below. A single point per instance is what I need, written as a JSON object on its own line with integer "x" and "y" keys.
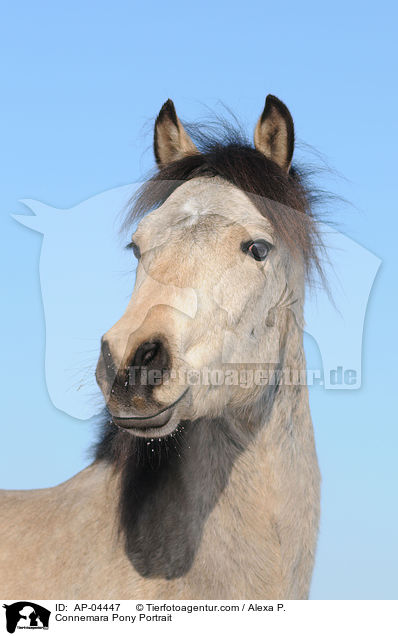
{"x": 257, "y": 249}
{"x": 136, "y": 250}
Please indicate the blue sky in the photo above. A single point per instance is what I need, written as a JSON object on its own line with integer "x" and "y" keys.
{"x": 82, "y": 83}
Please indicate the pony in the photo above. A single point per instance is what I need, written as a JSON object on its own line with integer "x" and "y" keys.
{"x": 205, "y": 481}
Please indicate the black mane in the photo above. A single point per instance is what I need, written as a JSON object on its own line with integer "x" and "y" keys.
{"x": 169, "y": 486}
{"x": 286, "y": 200}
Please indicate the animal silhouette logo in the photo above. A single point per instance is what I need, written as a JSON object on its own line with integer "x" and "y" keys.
{"x": 87, "y": 279}
{"x": 26, "y": 615}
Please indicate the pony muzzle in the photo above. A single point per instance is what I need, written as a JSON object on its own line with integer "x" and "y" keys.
{"x": 130, "y": 388}
{"x": 150, "y": 423}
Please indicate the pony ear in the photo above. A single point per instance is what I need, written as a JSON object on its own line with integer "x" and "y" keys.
{"x": 171, "y": 141}
{"x": 274, "y": 134}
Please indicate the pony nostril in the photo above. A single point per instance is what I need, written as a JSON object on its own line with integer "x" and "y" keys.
{"x": 150, "y": 353}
